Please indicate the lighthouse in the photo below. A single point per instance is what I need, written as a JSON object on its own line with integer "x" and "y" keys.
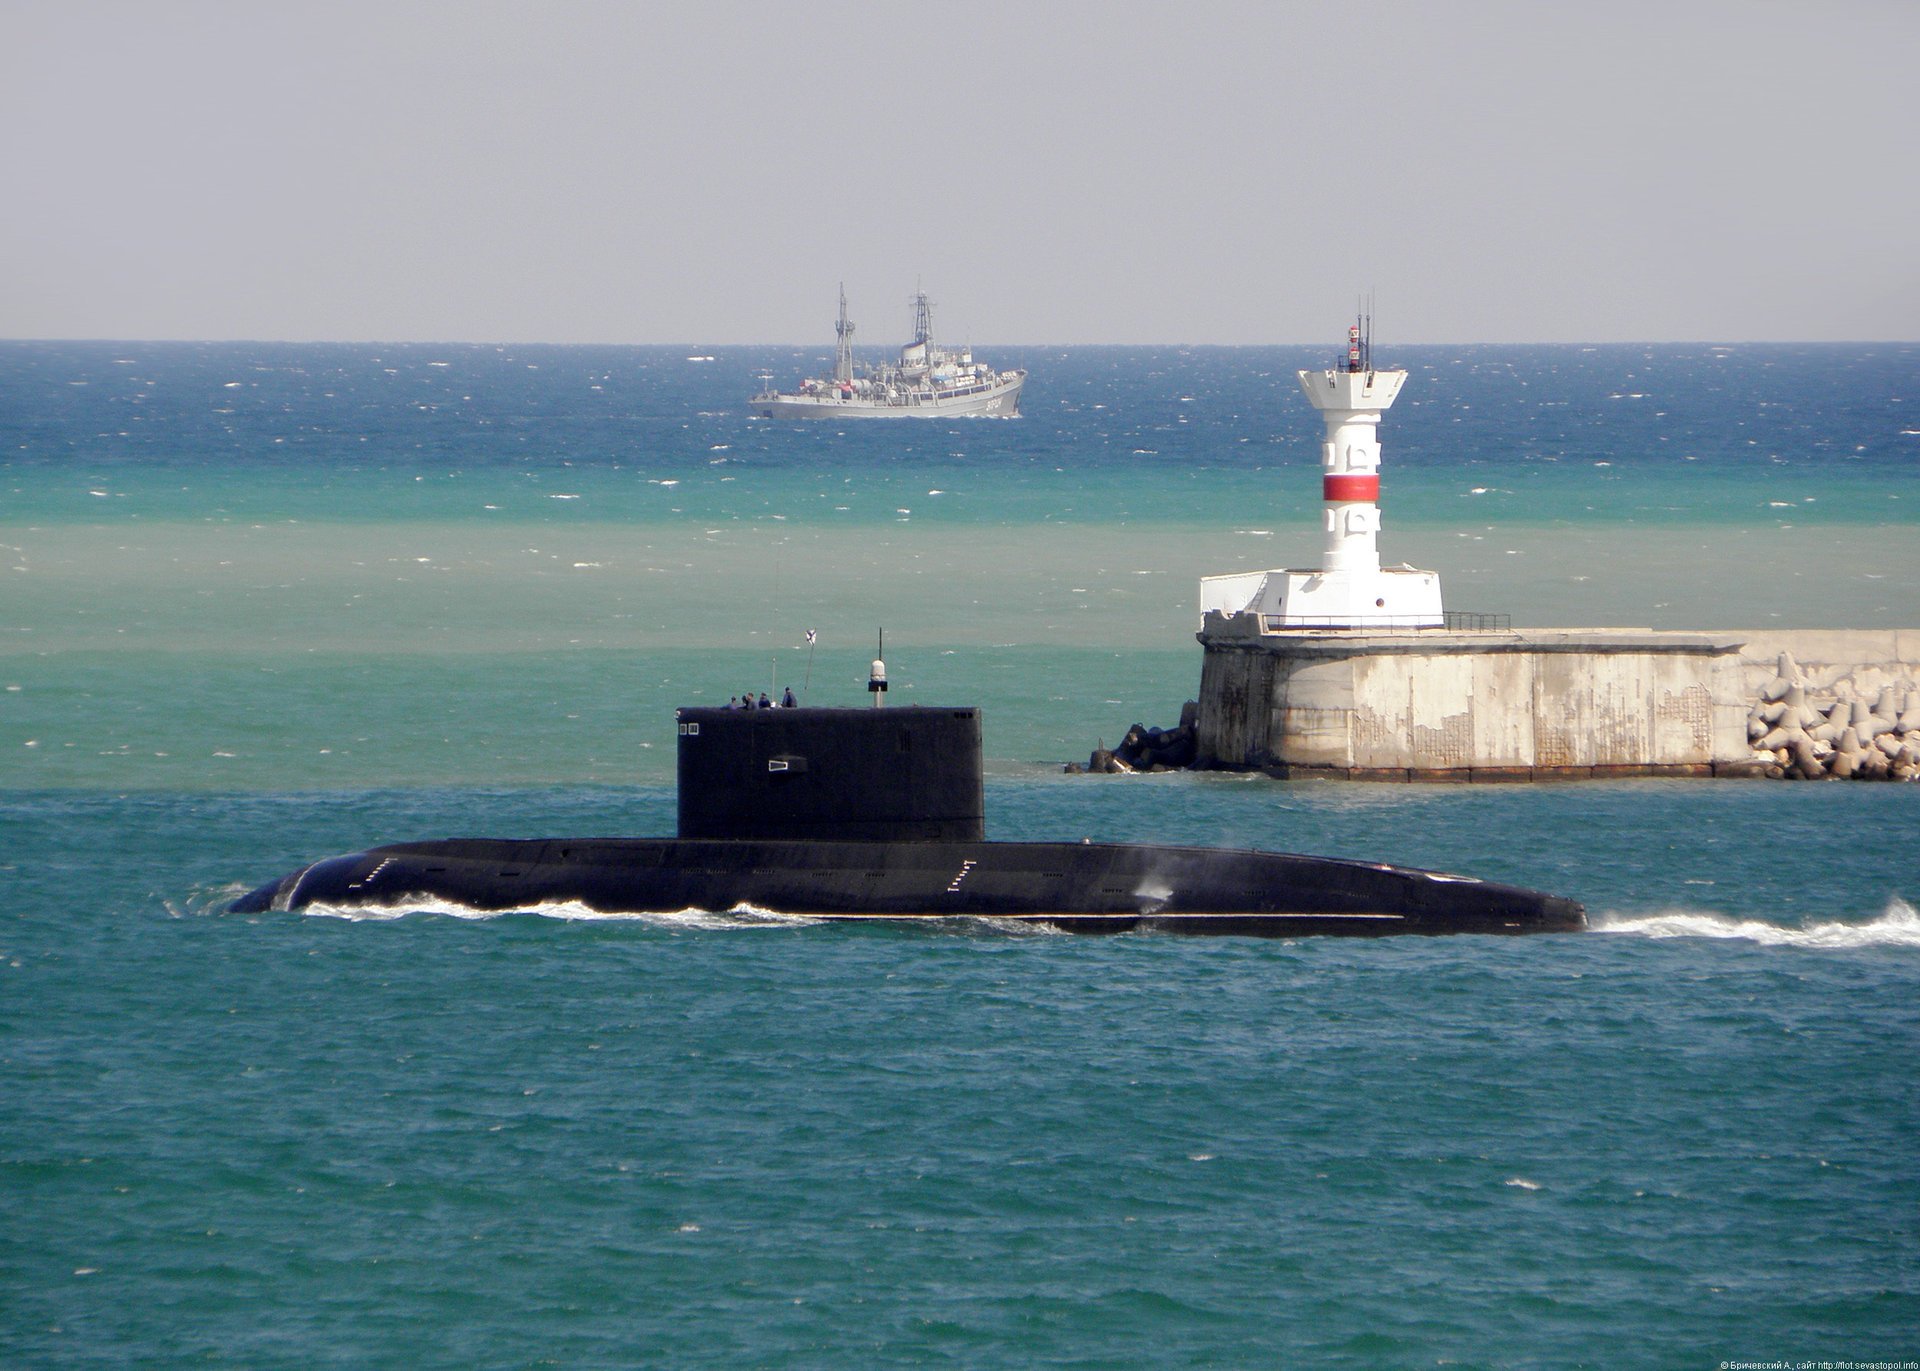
{"x": 1349, "y": 589}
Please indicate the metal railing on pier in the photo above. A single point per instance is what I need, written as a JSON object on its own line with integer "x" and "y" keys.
{"x": 1452, "y": 620}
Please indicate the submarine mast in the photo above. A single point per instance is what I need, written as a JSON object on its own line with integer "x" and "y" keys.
{"x": 877, "y": 674}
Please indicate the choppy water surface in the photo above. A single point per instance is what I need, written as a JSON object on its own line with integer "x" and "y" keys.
{"x": 269, "y": 603}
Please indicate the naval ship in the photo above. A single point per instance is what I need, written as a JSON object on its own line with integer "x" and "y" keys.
{"x": 871, "y": 814}
{"x": 928, "y": 382}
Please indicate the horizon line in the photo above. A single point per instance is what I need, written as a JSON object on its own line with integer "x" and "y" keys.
{"x": 1163, "y": 343}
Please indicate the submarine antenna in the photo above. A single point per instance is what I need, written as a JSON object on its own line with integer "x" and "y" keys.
{"x": 807, "y": 682}
{"x": 877, "y": 678}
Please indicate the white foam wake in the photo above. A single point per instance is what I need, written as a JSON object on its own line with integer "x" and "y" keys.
{"x": 740, "y": 917}
{"x": 1899, "y": 926}
{"x": 206, "y": 900}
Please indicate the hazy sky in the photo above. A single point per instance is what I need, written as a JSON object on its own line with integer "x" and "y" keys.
{"x": 1052, "y": 173}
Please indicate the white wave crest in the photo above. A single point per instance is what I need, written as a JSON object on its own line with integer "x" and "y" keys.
{"x": 212, "y": 899}
{"x": 988, "y": 923}
{"x": 739, "y": 917}
{"x": 1899, "y": 926}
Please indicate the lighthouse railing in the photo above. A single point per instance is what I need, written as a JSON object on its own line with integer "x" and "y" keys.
{"x": 1451, "y": 620}
{"x": 1466, "y": 621}
{"x": 1293, "y": 623}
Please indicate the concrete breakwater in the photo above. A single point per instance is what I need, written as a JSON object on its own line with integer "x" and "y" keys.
{"x": 1546, "y": 704}
{"x": 1803, "y": 731}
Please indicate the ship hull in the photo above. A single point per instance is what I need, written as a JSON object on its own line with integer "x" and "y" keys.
{"x": 995, "y": 402}
{"x": 1073, "y": 887}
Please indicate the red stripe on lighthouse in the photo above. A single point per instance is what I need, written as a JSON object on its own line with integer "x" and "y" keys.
{"x": 1351, "y": 488}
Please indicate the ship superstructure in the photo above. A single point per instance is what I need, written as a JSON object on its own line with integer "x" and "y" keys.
{"x": 928, "y": 381}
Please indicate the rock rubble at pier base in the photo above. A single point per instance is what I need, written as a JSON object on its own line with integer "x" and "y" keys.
{"x": 1800, "y": 733}
{"x": 1147, "y": 749}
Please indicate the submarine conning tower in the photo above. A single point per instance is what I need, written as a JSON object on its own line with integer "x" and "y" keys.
{"x": 809, "y": 774}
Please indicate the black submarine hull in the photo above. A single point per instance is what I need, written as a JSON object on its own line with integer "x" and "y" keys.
{"x": 1073, "y": 887}
{"x": 880, "y": 814}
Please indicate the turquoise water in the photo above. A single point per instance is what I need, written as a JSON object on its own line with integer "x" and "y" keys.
{"x": 265, "y": 603}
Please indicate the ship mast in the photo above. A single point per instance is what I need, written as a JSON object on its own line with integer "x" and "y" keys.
{"x": 843, "y": 342}
{"x": 922, "y": 318}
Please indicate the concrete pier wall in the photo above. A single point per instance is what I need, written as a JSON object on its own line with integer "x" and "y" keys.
{"x": 1517, "y": 705}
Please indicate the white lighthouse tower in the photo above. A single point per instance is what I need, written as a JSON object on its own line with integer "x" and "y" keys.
{"x": 1349, "y": 589}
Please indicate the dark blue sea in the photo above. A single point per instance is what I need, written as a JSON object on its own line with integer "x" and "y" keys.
{"x": 261, "y": 603}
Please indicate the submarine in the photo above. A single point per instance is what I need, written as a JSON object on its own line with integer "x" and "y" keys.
{"x": 879, "y": 814}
